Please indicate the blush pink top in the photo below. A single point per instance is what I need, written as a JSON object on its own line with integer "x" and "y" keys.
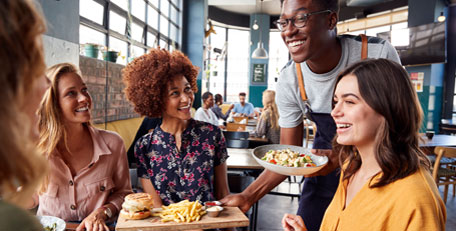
{"x": 106, "y": 180}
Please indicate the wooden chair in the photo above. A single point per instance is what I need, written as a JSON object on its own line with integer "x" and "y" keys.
{"x": 444, "y": 173}
{"x": 311, "y": 130}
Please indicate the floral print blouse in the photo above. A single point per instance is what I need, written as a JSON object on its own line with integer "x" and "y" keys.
{"x": 182, "y": 174}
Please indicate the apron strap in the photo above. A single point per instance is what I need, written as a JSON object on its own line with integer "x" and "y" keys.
{"x": 302, "y": 90}
{"x": 363, "y": 46}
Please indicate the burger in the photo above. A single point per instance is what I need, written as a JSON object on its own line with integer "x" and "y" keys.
{"x": 137, "y": 206}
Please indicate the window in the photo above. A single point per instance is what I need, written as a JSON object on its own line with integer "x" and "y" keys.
{"x": 215, "y": 63}
{"x": 117, "y": 22}
{"x": 152, "y": 17}
{"x": 278, "y": 58}
{"x": 120, "y": 3}
{"x": 137, "y": 51}
{"x": 174, "y": 15}
{"x": 238, "y": 63}
{"x": 88, "y": 35}
{"x": 153, "y": 23}
{"x": 164, "y": 25}
{"x": 376, "y": 30}
{"x": 164, "y": 8}
{"x": 138, "y": 9}
{"x": 151, "y": 40}
{"x": 163, "y": 44}
{"x": 154, "y": 2}
{"x": 137, "y": 32}
{"x": 121, "y": 47}
{"x": 93, "y": 10}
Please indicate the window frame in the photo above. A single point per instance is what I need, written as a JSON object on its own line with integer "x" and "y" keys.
{"x": 109, "y": 6}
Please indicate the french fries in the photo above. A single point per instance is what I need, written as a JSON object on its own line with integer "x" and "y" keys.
{"x": 184, "y": 211}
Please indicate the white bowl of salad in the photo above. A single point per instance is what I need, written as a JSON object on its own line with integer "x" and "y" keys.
{"x": 288, "y": 159}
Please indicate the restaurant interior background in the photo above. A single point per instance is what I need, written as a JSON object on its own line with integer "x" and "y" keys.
{"x": 219, "y": 36}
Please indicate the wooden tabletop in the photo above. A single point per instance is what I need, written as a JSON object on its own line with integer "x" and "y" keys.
{"x": 71, "y": 226}
{"x": 241, "y": 159}
{"x": 230, "y": 217}
{"x": 439, "y": 140}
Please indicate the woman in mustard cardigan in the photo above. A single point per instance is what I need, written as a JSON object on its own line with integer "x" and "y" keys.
{"x": 385, "y": 182}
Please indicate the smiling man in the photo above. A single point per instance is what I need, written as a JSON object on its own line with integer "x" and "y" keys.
{"x": 308, "y": 28}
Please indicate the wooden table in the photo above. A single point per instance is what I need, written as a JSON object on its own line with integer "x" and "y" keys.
{"x": 230, "y": 217}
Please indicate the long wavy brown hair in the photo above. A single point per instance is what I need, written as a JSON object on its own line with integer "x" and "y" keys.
{"x": 146, "y": 79}
{"x": 386, "y": 88}
{"x": 22, "y": 63}
{"x": 51, "y": 123}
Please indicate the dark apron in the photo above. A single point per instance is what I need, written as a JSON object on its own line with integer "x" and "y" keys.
{"x": 317, "y": 192}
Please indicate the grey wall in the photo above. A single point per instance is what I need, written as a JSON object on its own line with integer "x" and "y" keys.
{"x": 61, "y": 41}
{"x": 62, "y": 18}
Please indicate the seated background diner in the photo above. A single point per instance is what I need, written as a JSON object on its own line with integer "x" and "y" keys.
{"x": 182, "y": 158}
{"x": 204, "y": 113}
{"x": 385, "y": 183}
{"x": 218, "y": 110}
{"x": 89, "y": 175}
{"x": 268, "y": 123}
{"x": 243, "y": 108}
{"x": 22, "y": 85}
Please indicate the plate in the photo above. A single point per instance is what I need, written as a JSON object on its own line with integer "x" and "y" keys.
{"x": 48, "y": 221}
{"x": 260, "y": 151}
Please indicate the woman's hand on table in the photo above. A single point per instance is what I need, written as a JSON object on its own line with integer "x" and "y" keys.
{"x": 237, "y": 200}
{"x": 94, "y": 222}
{"x": 291, "y": 222}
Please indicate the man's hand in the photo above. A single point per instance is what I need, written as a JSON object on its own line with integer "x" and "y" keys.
{"x": 94, "y": 222}
{"x": 333, "y": 162}
{"x": 231, "y": 107}
{"x": 237, "y": 200}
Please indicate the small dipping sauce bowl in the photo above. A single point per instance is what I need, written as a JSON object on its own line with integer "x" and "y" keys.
{"x": 214, "y": 211}
{"x": 209, "y": 204}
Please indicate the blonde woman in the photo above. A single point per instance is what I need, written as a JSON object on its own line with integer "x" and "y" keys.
{"x": 89, "y": 174}
{"x": 268, "y": 124}
{"x": 22, "y": 85}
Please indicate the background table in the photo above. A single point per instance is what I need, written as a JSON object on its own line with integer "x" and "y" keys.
{"x": 242, "y": 159}
{"x": 439, "y": 140}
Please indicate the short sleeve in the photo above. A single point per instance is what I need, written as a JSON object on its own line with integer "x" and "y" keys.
{"x": 141, "y": 150}
{"x": 221, "y": 153}
{"x": 289, "y": 109}
{"x": 391, "y": 53}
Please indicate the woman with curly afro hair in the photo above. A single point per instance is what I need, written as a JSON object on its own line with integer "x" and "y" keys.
{"x": 181, "y": 158}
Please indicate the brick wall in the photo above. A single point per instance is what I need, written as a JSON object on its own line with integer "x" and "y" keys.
{"x": 104, "y": 77}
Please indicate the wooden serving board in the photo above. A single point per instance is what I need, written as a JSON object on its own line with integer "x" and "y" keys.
{"x": 229, "y": 217}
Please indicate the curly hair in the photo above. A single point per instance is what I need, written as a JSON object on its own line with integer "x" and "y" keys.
{"x": 147, "y": 77}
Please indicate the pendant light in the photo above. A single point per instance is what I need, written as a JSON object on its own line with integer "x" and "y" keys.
{"x": 260, "y": 52}
{"x": 441, "y": 18}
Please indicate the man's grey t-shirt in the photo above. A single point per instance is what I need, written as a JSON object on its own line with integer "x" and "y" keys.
{"x": 320, "y": 87}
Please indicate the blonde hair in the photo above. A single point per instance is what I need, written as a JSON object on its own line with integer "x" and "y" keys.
{"x": 51, "y": 127}
{"x": 270, "y": 107}
{"x": 22, "y": 63}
